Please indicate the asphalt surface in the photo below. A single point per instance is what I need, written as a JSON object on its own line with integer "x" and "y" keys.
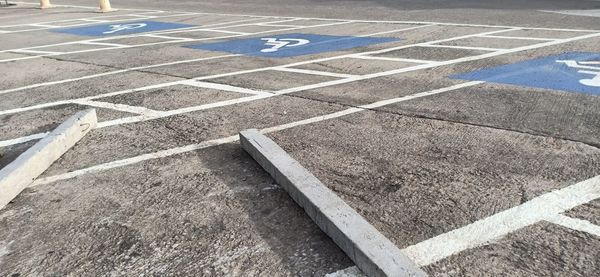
{"x": 468, "y": 177}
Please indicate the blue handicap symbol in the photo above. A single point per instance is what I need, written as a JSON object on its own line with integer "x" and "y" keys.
{"x": 115, "y": 29}
{"x": 571, "y": 72}
{"x": 290, "y": 45}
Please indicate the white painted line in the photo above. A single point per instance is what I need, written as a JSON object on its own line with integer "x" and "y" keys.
{"x": 543, "y": 207}
{"x": 193, "y": 28}
{"x": 20, "y": 173}
{"x": 591, "y": 13}
{"x": 102, "y": 43}
{"x": 168, "y": 37}
{"x": 547, "y": 207}
{"x": 141, "y": 16}
{"x": 365, "y": 57}
{"x": 146, "y": 44}
{"x": 94, "y": 20}
{"x": 465, "y": 47}
{"x": 206, "y": 144}
{"x": 223, "y": 31}
{"x": 119, "y": 107}
{"x": 125, "y": 70}
{"x": 106, "y": 74}
{"x": 334, "y": 82}
{"x": 314, "y": 72}
{"x": 43, "y": 25}
{"x": 202, "y": 107}
{"x": 22, "y": 139}
{"x": 279, "y": 25}
{"x": 49, "y": 25}
{"x": 575, "y": 224}
{"x": 370, "y": 250}
{"x": 520, "y": 38}
{"x": 36, "y": 52}
{"x": 398, "y": 30}
{"x": 134, "y": 160}
{"x": 224, "y": 87}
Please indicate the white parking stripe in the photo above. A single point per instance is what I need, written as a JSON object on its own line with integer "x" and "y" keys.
{"x": 519, "y": 38}
{"x": 102, "y": 75}
{"x": 314, "y": 72}
{"x": 119, "y": 107}
{"x": 365, "y": 57}
{"x": 144, "y": 44}
{"x": 206, "y": 144}
{"x": 575, "y": 224}
{"x": 223, "y": 87}
{"x": 465, "y": 47}
{"x": 340, "y": 81}
{"x": 547, "y": 207}
{"x": 22, "y": 139}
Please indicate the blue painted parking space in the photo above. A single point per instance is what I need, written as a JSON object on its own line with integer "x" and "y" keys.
{"x": 116, "y": 29}
{"x": 572, "y": 72}
{"x": 290, "y": 45}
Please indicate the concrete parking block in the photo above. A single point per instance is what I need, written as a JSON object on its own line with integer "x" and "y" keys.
{"x": 17, "y": 175}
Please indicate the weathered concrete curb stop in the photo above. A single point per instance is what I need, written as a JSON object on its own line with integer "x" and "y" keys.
{"x": 20, "y": 173}
{"x": 371, "y": 251}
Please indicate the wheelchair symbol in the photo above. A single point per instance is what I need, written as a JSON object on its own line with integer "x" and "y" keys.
{"x": 586, "y": 67}
{"x": 280, "y": 43}
{"x": 121, "y": 27}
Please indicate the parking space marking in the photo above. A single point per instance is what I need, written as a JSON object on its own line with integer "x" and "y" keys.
{"x": 102, "y": 43}
{"x": 541, "y": 208}
{"x": 171, "y": 63}
{"x": 224, "y": 87}
{"x": 22, "y": 139}
{"x": 233, "y": 138}
{"x": 291, "y": 45}
{"x": 465, "y": 47}
{"x": 29, "y": 51}
{"x": 315, "y": 72}
{"x": 94, "y": 20}
{"x": 208, "y": 27}
{"x": 147, "y": 44}
{"x": 48, "y": 26}
{"x": 129, "y": 27}
{"x": 168, "y": 37}
{"x": 365, "y": 57}
{"x": 97, "y": 76}
{"x": 91, "y": 20}
{"x": 339, "y": 20}
{"x": 145, "y": 67}
{"x": 119, "y": 107}
{"x": 519, "y": 38}
{"x": 323, "y": 84}
{"x": 577, "y": 72}
{"x": 547, "y": 207}
{"x": 575, "y": 224}
{"x": 588, "y": 12}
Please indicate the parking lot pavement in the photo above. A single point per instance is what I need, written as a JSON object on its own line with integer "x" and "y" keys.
{"x": 473, "y": 147}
